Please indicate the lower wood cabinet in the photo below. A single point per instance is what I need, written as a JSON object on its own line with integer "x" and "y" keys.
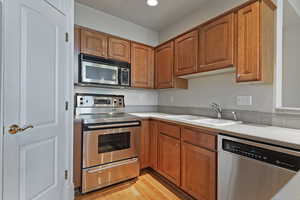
{"x": 198, "y": 171}
{"x": 169, "y": 158}
{"x": 153, "y": 144}
{"x": 144, "y": 144}
{"x": 184, "y": 155}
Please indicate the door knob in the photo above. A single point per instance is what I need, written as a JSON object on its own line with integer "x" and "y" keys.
{"x": 14, "y": 129}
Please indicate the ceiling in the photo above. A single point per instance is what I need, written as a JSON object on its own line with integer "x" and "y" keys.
{"x": 156, "y": 18}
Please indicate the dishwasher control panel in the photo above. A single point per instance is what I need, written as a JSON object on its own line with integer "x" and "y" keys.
{"x": 279, "y": 159}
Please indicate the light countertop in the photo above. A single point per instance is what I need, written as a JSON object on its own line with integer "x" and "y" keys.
{"x": 285, "y": 137}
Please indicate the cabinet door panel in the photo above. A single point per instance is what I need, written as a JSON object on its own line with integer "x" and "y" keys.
{"x": 93, "y": 43}
{"x": 144, "y": 144}
{"x": 153, "y": 144}
{"x": 186, "y": 54}
{"x": 142, "y": 66}
{"x": 216, "y": 41}
{"x": 164, "y": 56}
{"x": 119, "y": 49}
{"x": 169, "y": 158}
{"x": 248, "y": 55}
{"x": 198, "y": 175}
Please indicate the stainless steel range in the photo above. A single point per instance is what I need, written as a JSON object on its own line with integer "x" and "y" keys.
{"x": 110, "y": 141}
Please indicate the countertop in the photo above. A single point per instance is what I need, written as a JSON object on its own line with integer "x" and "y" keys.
{"x": 284, "y": 137}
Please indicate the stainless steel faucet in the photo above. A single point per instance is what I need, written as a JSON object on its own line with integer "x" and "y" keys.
{"x": 217, "y": 108}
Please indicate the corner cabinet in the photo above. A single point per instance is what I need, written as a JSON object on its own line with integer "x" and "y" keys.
{"x": 164, "y": 68}
{"x": 186, "y": 53}
{"x": 93, "y": 43}
{"x": 216, "y": 44}
{"x": 255, "y": 45}
{"x": 153, "y": 144}
{"x": 119, "y": 49}
{"x": 142, "y": 66}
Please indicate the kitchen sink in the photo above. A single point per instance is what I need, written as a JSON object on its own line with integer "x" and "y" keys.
{"x": 217, "y": 122}
{"x": 187, "y": 117}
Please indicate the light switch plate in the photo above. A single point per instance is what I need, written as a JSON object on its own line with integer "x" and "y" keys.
{"x": 244, "y": 100}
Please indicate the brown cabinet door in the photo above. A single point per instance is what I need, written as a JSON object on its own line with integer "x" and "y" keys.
{"x": 248, "y": 52}
{"x": 198, "y": 175}
{"x": 142, "y": 66}
{"x": 164, "y": 63}
{"x": 144, "y": 144}
{"x": 186, "y": 54}
{"x": 93, "y": 43}
{"x": 119, "y": 49}
{"x": 169, "y": 158}
{"x": 153, "y": 134}
{"x": 216, "y": 44}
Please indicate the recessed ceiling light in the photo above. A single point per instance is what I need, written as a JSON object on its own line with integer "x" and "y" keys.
{"x": 152, "y": 2}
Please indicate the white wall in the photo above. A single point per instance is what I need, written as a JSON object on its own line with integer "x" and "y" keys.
{"x": 89, "y": 17}
{"x": 291, "y": 69}
{"x": 220, "y": 88}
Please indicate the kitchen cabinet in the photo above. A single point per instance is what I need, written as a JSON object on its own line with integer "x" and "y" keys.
{"x": 198, "y": 171}
{"x": 216, "y": 44}
{"x": 144, "y": 144}
{"x": 164, "y": 68}
{"x": 119, "y": 49}
{"x": 93, "y": 43}
{"x": 186, "y": 53}
{"x": 169, "y": 158}
{"x": 153, "y": 144}
{"x": 77, "y": 41}
{"x": 142, "y": 66}
{"x": 198, "y": 163}
{"x": 255, "y": 45}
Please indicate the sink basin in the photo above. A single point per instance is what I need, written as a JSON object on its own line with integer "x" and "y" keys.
{"x": 217, "y": 122}
{"x": 187, "y": 117}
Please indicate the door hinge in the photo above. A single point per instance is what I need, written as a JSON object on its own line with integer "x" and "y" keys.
{"x": 67, "y": 37}
{"x": 66, "y": 105}
{"x": 66, "y": 174}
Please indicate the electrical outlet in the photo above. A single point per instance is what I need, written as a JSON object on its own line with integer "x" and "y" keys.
{"x": 244, "y": 100}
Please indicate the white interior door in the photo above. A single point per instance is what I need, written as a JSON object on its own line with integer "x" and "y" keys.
{"x": 34, "y": 94}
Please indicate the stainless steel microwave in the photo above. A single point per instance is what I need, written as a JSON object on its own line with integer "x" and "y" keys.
{"x": 106, "y": 72}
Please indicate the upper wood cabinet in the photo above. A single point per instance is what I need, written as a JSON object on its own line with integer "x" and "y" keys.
{"x": 198, "y": 171}
{"x": 255, "y": 45}
{"x": 186, "y": 53}
{"x": 93, "y": 43}
{"x": 169, "y": 158}
{"x": 164, "y": 68}
{"x": 119, "y": 49}
{"x": 142, "y": 66}
{"x": 216, "y": 44}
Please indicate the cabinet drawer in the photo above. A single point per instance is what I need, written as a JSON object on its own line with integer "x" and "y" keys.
{"x": 170, "y": 130}
{"x": 199, "y": 138}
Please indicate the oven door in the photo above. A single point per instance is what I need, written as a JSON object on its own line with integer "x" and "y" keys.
{"x": 108, "y": 145}
{"x": 99, "y": 73}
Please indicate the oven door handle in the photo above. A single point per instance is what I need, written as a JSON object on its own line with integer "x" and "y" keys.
{"x": 114, "y": 125}
{"x": 101, "y": 168}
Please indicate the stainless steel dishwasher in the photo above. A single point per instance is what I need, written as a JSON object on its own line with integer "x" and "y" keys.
{"x": 249, "y": 170}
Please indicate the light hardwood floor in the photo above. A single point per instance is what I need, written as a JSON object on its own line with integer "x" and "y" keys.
{"x": 147, "y": 187}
